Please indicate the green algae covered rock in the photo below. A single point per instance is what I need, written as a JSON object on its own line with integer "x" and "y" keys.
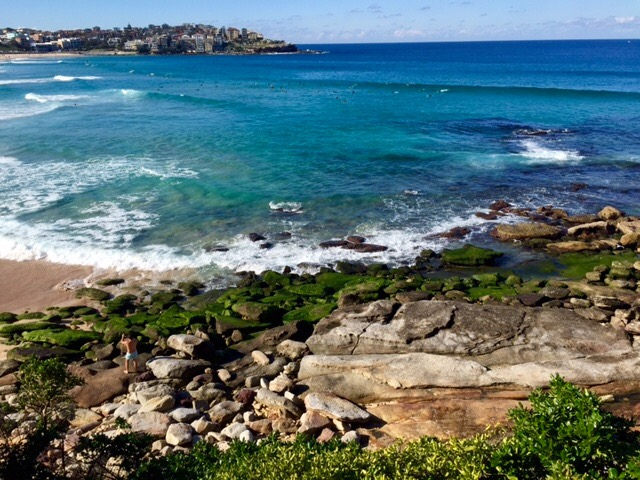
{"x": 257, "y": 312}
{"x": 8, "y": 317}
{"x": 275, "y": 279}
{"x": 470, "y": 256}
{"x": 24, "y": 353}
{"x": 25, "y": 326}
{"x": 335, "y": 281}
{"x": 309, "y": 290}
{"x": 309, "y": 313}
{"x": 93, "y": 294}
{"x": 63, "y": 337}
{"x": 487, "y": 279}
{"x": 31, "y": 316}
{"x": 121, "y": 304}
{"x": 110, "y": 282}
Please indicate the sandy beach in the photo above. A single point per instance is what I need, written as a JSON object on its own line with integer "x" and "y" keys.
{"x": 36, "y": 285}
{"x": 61, "y": 55}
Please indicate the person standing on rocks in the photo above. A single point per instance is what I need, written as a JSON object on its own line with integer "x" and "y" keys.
{"x": 131, "y": 346}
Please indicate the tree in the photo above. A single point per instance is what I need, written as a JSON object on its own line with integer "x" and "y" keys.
{"x": 44, "y": 386}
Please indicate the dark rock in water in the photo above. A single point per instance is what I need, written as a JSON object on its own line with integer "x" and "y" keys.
{"x": 367, "y": 248}
{"x": 286, "y": 270}
{"x": 576, "y": 187}
{"x": 282, "y": 236}
{"x": 334, "y": 244}
{"x": 215, "y": 248}
{"x": 356, "y": 239}
{"x": 266, "y": 246}
{"x": 350, "y": 268}
{"x": 256, "y": 237}
{"x": 456, "y": 232}
{"x": 499, "y": 205}
{"x": 531, "y": 299}
{"x": 487, "y": 216}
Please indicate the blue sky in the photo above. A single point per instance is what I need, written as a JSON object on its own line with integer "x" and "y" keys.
{"x": 331, "y": 21}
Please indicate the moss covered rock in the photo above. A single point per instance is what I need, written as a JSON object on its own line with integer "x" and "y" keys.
{"x": 8, "y": 317}
{"x": 309, "y": 313}
{"x": 257, "y": 312}
{"x": 335, "y": 281}
{"x": 31, "y": 316}
{"x": 309, "y": 290}
{"x": 110, "y": 282}
{"x": 470, "y": 255}
{"x": 24, "y": 326}
{"x": 63, "y": 337}
{"x": 121, "y": 304}
{"x": 93, "y": 294}
{"x": 275, "y": 279}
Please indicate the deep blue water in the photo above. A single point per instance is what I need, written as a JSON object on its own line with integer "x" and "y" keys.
{"x": 149, "y": 161}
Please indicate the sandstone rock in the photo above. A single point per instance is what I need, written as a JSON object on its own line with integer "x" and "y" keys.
{"x": 524, "y": 231}
{"x": 326, "y": 435}
{"x": 594, "y": 277}
{"x": 144, "y": 392}
{"x": 406, "y": 297}
{"x": 151, "y": 423}
{"x": 585, "y": 228}
{"x": 608, "y": 302}
{"x": 167, "y": 367}
{"x": 158, "y": 404}
{"x": 270, "y": 338}
{"x": 292, "y": 350}
{"x": 202, "y": 426}
{"x": 335, "y": 407}
{"x": 98, "y": 387}
{"x": 594, "y": 313}
{"x": 234, "y": 430}
{"x": 126, "y": 410}
{"x": 84, "y": 417}
{"x": 179, "y": 434}
{"x": 630, "y": 239}
{"x": 262, "y": 427}
{"x": 572, "y": 246}
{"x": 280, "y": 383}
{"x": 225, "y": 411}
{"x": 610, "y": 213}
{"x": 185, "y": 415}
{"x": 224, "y": 375}
{"x": 277, "y": 404}
{"x": 192, "y": 345}
{"x": 284, "y": 425}
{"x": 208, "y": 393}
{"x": 628, "y": 226}
{"x": 313, "y": 422}
{"x": 260, "y": 358}
{"x": 350, "y": 436}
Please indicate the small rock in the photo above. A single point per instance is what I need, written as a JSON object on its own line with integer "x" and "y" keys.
{"x": 246, "y": 436}
{"x": 530, "y": 299}
{"x": 256, "y": 237}
{"x": 225, "y": 411}
{"x": 234, "y": 430}
{"x": 292, "y": 349}
{"x": 284, "y": 425}
{"x": 152, "y": 423}
{"x": 499, "y": 205}
{"x": 350, "y": 436}
{"x": 262, "y": 426}
{"x": 356, "y": 239}
{"x": 280, "y": 383}
{"x": 312, "y": 422}
{"x": 608, "y": 303}
{"x": 326, "y": 435}
{"x": 125, "y": 411}
{"x": 179, "y": 434}
{"x": 185, "y": 415}
{"x": 610, "y": 213}
{"x": 158, "y": 404}
{"x": 224, "y": 375}
{"x": 335, "y": 407}
{"x": 202, "y": 426}
{"x": 260, "y": 358}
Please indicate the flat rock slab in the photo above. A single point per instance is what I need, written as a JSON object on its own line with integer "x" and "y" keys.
{"x": 99, "y": 387}
{"x": 383, "y": 377}
{"x": 497, "y": 334}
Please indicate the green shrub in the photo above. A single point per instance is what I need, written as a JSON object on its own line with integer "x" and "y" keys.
{"x": 565, "y": 430}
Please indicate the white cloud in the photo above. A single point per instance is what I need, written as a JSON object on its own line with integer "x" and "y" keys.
{"x": 625, "y": 20}
{"x": 408, "y": 33}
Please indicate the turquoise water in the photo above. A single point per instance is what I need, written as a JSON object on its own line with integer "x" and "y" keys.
{"x": 151, "y": 161}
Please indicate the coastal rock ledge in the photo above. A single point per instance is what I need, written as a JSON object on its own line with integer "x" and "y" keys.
{"x": 448, "y": 368}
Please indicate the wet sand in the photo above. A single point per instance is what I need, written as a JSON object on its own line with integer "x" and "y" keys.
{"x": 36, "y": 285}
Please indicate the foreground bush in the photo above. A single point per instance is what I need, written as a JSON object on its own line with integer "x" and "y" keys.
{"x": 565, "y": 434}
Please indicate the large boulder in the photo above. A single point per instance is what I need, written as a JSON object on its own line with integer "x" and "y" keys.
{"x": 193, "y": 346}
{"x": 98, "y": 387}
{"x": 526, "y": 231}
{"x": 168, "y": 367}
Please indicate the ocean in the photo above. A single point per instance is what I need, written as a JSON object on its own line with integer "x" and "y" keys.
{"x": 158, "y": 162}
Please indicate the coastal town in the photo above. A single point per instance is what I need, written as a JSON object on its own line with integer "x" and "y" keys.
{"x": 152, "y": 39}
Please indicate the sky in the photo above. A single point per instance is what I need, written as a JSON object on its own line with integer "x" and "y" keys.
{"x": 349, "y": 21}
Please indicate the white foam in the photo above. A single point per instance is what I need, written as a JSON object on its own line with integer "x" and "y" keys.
{"x": 53, "y": 98}
{"x": 286, "y": 207}
{"x": 9, "y": 161}
{"x": 541, "y": 154}
{"x": 56, "y": 78}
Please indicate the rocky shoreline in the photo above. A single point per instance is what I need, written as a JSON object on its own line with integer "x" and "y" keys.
{"x": 364, "y": 353}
